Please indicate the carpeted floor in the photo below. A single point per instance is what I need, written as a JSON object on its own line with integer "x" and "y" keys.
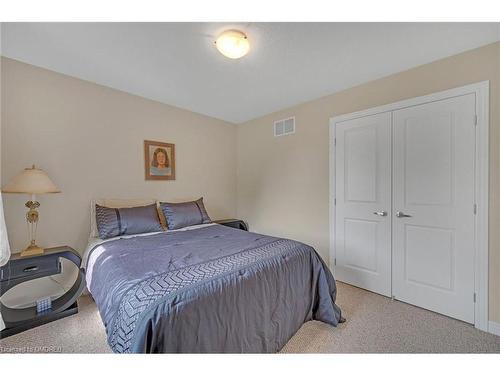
{"x": 374, "y": 324}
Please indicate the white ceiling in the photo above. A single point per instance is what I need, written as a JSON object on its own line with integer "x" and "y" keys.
{"x": 289, "y": 63}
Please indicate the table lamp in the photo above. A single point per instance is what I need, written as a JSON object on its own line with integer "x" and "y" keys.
{"x": 31, "y": 181}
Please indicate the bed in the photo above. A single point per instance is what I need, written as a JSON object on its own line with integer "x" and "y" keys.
{"x": 207, "y": 288}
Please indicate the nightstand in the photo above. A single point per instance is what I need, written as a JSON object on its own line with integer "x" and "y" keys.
{"x": 233, "y": 223}
{"x": 21, "y": 269}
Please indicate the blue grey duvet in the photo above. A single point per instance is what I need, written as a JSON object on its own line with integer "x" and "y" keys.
{"x": 213, "y": 290}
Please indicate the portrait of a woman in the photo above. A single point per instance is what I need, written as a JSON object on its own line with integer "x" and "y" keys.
{"x": 160, "y": 165}
{"x": 160, "y": 160}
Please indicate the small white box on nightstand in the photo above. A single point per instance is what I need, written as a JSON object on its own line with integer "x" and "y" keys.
{"x": 43, "y": 305}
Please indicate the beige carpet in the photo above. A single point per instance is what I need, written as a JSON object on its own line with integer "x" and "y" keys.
{"x": 374, "y": 324}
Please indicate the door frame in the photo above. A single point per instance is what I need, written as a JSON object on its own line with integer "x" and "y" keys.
{"x": 481, "y": 183}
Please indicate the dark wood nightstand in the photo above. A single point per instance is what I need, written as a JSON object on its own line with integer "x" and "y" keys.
{"x": 233, "y": 223}
{"x": 21, "y": 269}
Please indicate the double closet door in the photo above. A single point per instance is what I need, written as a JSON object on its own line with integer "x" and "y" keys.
{"x": 404, "y": 211}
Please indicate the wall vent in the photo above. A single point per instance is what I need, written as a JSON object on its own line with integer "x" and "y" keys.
{"x": 284, "y": 127}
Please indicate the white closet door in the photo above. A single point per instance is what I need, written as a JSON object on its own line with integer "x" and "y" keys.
{"x": 363, "y": 202}
{"x": 433, "y": 247}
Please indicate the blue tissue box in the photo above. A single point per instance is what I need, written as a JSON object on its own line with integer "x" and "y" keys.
{"x": 43, "y": 305}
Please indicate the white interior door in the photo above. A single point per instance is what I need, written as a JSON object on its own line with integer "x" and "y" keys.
{"x": 363, "y": 202}
{"x": 433, "y": 189}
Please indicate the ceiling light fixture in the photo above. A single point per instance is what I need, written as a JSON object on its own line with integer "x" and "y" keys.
{"x": 233, "y": 44}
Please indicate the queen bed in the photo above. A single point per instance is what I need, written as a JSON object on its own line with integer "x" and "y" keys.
{"x": 206, "y": 288}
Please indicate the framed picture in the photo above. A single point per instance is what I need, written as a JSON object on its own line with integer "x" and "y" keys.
{"x": 159, "y": 160}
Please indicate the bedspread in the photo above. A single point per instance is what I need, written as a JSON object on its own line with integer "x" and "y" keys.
{"x": 213, "y": 290}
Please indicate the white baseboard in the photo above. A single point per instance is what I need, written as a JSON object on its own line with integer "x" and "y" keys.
{"x": 494, "y": 327}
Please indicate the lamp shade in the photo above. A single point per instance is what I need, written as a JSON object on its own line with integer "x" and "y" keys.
{"x": 31, "y": 181}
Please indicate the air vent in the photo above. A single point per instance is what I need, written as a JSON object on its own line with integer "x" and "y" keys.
{"x": 284, "y": 127}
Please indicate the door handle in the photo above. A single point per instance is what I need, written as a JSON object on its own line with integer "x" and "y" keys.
{"x": 401, "y": 214}
{"x": 380, "y": 213}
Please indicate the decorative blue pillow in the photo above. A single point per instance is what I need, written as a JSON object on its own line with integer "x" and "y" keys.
{"x": 112, "y": 222}
{"x": 180, "y": 215}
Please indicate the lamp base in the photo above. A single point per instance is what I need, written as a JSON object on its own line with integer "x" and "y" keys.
{"x": 32, "y": 250}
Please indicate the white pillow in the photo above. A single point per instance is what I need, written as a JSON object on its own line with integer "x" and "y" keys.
{"x": 114, "y": 203}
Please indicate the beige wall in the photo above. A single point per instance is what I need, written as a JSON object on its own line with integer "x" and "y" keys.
{"x": 283, "y": 183}
{"x": 89, "y": 139}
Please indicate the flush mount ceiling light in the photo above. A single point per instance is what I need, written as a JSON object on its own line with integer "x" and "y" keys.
{"x": 233, "y": 44}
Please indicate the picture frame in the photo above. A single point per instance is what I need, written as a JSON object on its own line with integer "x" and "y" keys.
{"x": 159, "y": 160}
